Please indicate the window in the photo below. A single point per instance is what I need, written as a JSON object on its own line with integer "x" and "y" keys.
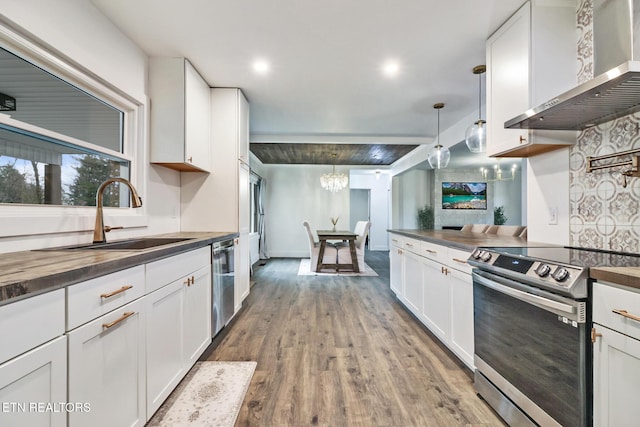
{"x": 57, "y": 143}
{"x": 52, "y": 154}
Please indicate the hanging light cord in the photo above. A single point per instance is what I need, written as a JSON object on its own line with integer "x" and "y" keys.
{"x": 480, "y": 70}
{"x": 479, "y": 97}
{"x": 439, "y": 145}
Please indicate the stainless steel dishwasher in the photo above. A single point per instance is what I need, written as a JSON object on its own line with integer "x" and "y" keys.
{"x": 223, "y": 303}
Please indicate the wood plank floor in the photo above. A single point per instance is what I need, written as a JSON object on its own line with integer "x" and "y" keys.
{"x": 341, "y": 351}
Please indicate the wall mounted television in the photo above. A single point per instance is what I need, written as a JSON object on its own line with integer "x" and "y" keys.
{"x": 464, "y": 195}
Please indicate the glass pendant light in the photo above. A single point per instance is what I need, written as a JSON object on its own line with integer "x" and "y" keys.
{"x": 439, "y": 156}
{"x": 476, "y": 136}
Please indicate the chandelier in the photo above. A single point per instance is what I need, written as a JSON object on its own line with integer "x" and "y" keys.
{"x": 439, "y": 156}
{"x": 476, "y": 136}
{"x": 498, "y": 174}
{"x": 334, "y": 181}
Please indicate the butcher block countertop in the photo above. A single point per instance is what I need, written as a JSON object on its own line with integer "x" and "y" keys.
{"x": 627, "y": 276}
{"x": 28, "y": 273}
{"x": 467, "y": 241}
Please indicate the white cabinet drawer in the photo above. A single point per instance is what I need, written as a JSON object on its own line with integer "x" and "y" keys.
{"x": 31, "y": 322}
{"x": 457, "y": 259}
{"x": 617, "y": 308}
{"x": 412, "y": 245}
{"x": 397, "y": 240}
{"x": 433, "y": 251}
{"x": 167, "y": 270}
{"x": 93, "y": 298}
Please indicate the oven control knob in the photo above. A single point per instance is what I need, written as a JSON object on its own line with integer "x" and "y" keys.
{"x": 485, "y": 256}
{"x": 561, "y": 274}
{"x": 476, "y": 253}
{"x": 543, "y": 270}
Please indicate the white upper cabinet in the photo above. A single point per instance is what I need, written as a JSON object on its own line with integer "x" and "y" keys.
{"x": 180, "y": 115}
{"x": 530, "y": 58}
{"x": 220, "y": 201}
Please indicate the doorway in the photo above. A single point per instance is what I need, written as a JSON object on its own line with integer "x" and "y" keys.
{"x": 359, "y": 206}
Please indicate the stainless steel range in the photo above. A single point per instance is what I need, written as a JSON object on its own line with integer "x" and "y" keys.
{"x": 532, "y": 320}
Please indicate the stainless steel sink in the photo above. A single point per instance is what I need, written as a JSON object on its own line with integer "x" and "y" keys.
{"x": 127, "y": 245}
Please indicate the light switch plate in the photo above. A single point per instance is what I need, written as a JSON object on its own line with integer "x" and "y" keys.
{"x": 553, "y": 215}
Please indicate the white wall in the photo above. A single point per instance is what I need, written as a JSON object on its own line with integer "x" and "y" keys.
{"x": 379, "y": 199}
{"x": 412, "y": 190}
{"x": 77, "y": 30}
{"x": 548, "y": 187}
{"x": 294, "y": 194}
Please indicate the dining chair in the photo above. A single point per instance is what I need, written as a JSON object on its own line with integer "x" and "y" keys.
{"x": 475, "y": 228}
{"x": 330, "y": 253}
{"x": 344, "y": 252}
{"x": 523, "y": 233}
{"x": 505, "y": 230}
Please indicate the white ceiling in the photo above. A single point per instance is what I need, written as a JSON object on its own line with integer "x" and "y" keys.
{"x": 326, "y": 58}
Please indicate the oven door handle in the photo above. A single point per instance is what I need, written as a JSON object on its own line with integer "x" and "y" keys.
{"x": 536, "y": 300}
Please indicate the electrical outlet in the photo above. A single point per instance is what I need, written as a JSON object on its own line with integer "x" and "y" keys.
{"x": 553, "y": 215}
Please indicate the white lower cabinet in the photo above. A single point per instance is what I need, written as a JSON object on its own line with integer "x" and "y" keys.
{"x": 107, "y": 369}
{"x": 437, "y": 297}
{"x": 33, "y": 386}
{"x": 178, "y": 332}
{"x": 462, "y": 316}
{"x": 197, "y": 315}
{"x": 616, "y": 355}
{"x": 412, "y": 278}
{"x": 434, "y": 283}
{"x": 616, "y": 366}
{"x": 130, "y": 337}
{"x": 165, "y": 326}
{"x": 395, "y": 273}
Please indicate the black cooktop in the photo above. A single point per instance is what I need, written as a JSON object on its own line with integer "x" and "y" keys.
{"x": 579, "y": 257}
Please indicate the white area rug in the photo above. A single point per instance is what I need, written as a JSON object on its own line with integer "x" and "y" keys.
{"x": 210, "y": 395}
{"x": 305, "y": 270}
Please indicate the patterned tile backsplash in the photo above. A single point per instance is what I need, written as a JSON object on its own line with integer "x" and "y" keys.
{"x": 603, "y": 213}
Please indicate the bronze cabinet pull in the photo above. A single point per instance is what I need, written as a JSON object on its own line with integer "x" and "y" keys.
{"x": 625, "y": 313}
{"x": 119, "y": 291}
{"x": 431, "y": 251}
{"x": 118, "y": 320}
{"x": 459, "y": 260}
{"x": 594, "y": 335}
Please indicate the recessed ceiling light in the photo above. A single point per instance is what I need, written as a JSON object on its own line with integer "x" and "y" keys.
{"x": 261, "y": 67}
{"x": 391, "y": 68}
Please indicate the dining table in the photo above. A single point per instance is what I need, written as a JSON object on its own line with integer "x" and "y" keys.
{"x": 343, "y": 236}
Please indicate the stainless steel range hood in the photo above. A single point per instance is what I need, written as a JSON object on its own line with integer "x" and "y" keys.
{"x": 615, "y": 92}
